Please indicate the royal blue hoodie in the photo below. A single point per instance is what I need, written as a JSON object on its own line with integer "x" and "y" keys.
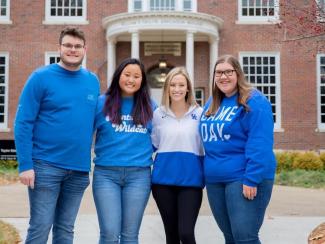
{"x": 238, "y": 144}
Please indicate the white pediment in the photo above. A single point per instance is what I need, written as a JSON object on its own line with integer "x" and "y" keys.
{"x": 144, "y": 21}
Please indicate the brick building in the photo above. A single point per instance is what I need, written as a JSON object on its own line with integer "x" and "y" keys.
{"x": 168, "y": 33}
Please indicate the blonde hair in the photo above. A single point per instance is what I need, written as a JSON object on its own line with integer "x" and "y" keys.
{"x": 189, "y": 98}
{"x": 244, "y": 88}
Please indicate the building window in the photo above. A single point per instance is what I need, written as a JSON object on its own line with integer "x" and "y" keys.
{"x": 54, "y": 57}
{"x": 187, "y": 5}
{"x": 66, "y": 11}
{"x": 263, "y": 71}
{"x": 5, "y": 12}
{"x": 137, "y": 5}
{"x": 199, "y": 96}
{"x": 321, "y": 90}
{"x": 4, "y": 90}
{"x": 258, "y": 10}
{"x": 162, "y": 5}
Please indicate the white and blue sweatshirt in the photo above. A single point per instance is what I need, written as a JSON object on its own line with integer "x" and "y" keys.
{"x": 55, "y": 118}
{"x": 125, "y": 144}
{"x": 179, "y": 158}
{"x": 238, "y": 144}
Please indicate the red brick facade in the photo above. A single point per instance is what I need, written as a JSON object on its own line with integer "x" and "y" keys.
{"x": 27, "y": 39}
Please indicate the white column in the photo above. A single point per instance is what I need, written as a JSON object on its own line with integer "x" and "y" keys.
{"x": 135, "y": 44}
{"x": 111, "y": 59}
{"x": 213, "y": 58}
{"x": 190, "y": 54}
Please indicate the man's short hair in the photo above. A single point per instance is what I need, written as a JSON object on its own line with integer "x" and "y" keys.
{"x": 72, "y": 31}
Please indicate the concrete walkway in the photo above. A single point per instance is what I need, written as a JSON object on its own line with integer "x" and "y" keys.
{"x": 291, "y": 215}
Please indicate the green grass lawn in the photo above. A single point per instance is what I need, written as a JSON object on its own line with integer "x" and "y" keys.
{"x": 301, "y": 178}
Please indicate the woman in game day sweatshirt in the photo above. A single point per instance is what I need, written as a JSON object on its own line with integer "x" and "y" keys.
{"x": 237, "y": 132}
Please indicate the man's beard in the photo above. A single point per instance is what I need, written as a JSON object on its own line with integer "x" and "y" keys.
{"x": 69, "y": 64}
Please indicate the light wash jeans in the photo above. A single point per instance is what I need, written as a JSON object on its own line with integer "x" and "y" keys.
{"x": 121, "y": 195}
{"x": 54, "y": 201}
{"x": 238, "y": 218}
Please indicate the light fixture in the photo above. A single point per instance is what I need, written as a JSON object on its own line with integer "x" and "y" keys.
{"x": 162, "y": 64}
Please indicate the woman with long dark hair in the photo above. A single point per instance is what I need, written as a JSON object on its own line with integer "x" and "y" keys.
{"x": 121, "y": 183}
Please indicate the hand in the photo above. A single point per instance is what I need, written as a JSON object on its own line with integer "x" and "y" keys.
{"x": 27, "y": 178}
{"x": 249, "y": 192}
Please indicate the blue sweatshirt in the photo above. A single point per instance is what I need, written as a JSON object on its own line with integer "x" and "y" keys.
{"x": 238, "y": 144}
{"x": 55, "y": 118}
{"x": 125, "y": 144}
{"x": 179, "y": 158}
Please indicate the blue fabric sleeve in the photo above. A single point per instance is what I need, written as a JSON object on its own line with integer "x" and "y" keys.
{"x": 258, "y": 123}
{"x": 27, "y": 111}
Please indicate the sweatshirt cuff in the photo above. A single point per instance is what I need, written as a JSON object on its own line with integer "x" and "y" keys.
{"x": 247, "y": 182}
{"x": 25, "y": 166}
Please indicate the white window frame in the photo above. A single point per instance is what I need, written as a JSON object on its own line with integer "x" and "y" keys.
{"x": 59, "y": 20}
{"x": 200, "y": 89}
{"x": 277, "y": 124}
{"x": 258, "y": 19}
{"x": 5, "y": 19}
{"x": 320, "y": 125}
{"x": 56, "y": 54}
{"x": 4, "y": 125}
{"x": 320, "y": 14}
{"x": 179, "y": 6}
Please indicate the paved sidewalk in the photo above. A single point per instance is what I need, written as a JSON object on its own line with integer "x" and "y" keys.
{"x": 291, "y": 215}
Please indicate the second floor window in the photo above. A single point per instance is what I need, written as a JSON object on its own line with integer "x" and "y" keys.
{"x": 66, "y": 11}
{"x": 70, "y": 8}
{"x": 258, "y": 10}
{"x": 162, "y": 5}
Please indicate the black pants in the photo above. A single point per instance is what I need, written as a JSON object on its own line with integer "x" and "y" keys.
{"x": 179, "y": 208}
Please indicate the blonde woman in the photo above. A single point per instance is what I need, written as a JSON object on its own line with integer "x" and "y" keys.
{"x": 177, "y": 177}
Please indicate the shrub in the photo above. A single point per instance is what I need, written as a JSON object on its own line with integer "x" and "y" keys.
{"x": 322, "y": 158}
{"x": 284, "y": 161}
{"x": 12, "y": 164}
{"x": 308, "y": 161}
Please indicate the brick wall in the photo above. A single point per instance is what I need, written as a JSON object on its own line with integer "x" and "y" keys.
{"x": 27, "y": 39}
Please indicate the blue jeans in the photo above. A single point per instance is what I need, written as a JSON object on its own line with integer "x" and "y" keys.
{"x": 54, "y": 201}
{"x": 121, "y": 195}
{"x": 238, "y": 218}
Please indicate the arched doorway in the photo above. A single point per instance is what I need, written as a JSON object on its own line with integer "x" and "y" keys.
{"x": 156, "y": 80}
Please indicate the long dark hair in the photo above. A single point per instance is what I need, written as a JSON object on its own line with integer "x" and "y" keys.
{"x": 142, "y": 110}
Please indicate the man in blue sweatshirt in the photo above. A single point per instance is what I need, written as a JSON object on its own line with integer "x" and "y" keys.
{"x": 53, "y": 135}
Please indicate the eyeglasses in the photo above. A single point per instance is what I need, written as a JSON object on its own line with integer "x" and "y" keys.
{"x": 70, "y": 46}
{"x": 228, "y": 72}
